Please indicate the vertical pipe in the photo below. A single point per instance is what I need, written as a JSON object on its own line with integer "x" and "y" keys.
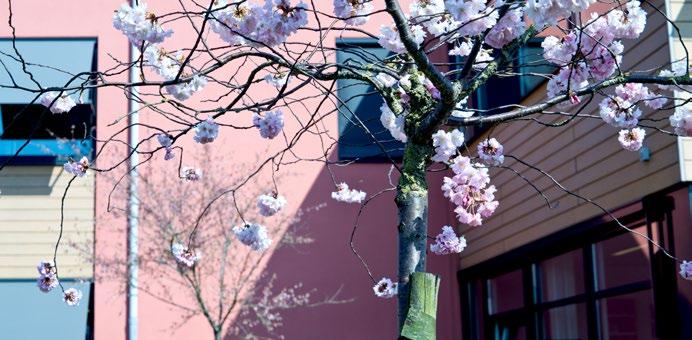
{"x": 133, "y": 202}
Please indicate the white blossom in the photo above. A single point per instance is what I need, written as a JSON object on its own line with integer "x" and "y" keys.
{"x": 190, "y": 174}
{"x": 355, "y": 12}
{"x": 548, "y": 12}
{"x": 270, "y": 125}
{"x": 62, "y": 104}
{"x": 206, "y": 131}
{"x": 185, "y": 90}
{"x": 389, "y": 38}
{"x": 393, "y": 123}
{"x": 139, "y": 25}
{"x": 167, "y": 65}
{"x": 164, "y": 139}
{"x": 447, "y": 242}
{"x": 258, "y": 25}
{"x": 78, "y": 169}
{"x": 491, "y": 152}
{"x": 46, "y": 268}
{"x": 510, "y": 26}
{"x": 629, "y": 23}
{"x": 46, "y": 283}
{"x": 446, "y": 144}
{"x": 632, "y": 139}
{"x": 472, "y": 17}
{"x": 269, "y": 205}
{"x": 72, "y": 296}
{"x": 253, "y": 235}
{"x": 385, "y": 288}
{"x": 681, "y": 120}
{"x": 346, "y": 195}
{"x": 185, "y": 256}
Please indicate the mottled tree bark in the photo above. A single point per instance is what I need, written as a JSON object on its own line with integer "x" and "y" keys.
{"x": 412, "y": 202}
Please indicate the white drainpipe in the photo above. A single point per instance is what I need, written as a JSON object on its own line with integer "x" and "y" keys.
{"x": 133, "y": 202}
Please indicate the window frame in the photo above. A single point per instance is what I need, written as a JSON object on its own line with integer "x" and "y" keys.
{"x": 583, "y": 236}
{"x": 346, "y": 149}
{"x": 51, "y": 151}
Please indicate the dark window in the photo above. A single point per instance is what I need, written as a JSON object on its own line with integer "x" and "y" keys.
{"x": 597, "y": 284}
{"x": 360, "y": 106}
{"x": 20, "y": 121}
{"x": 498, "y": 91}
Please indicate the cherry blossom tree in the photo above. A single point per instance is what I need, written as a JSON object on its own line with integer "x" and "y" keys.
{"x": 219, "y": 275}
{"x": 203, "y": 88}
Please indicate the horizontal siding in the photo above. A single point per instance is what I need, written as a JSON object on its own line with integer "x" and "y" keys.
{"x": 30, "y": 220}
{"x": 584, "y": 156}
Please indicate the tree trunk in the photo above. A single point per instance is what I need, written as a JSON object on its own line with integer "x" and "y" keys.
{"x": 412, "y": 202}
{"x": 218, "y": 335}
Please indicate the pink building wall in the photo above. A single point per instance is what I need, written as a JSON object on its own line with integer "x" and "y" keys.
{"x": 326, "y": 264}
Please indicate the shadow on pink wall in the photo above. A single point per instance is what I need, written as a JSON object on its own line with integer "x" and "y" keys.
{"x": 328, "y": 265}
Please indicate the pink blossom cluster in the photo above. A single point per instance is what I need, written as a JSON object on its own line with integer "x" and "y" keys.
{"x": 491, "y": 152}
{"x": 446, "y": 144}
{"x": 186, "y": 89}
{"x": 469, "y": 191}
{"x": 389, "y": 38}
{"x": 166, "y": 141}
{"x": 431, "y": 14}
{"x": 393, "y": 123}
{"x": 346, "y": 195}
{"x": 636, "y": 92}
{"x": 206, "y": 131}
{"x": 190, "y": 174}
{"x": 385, "y": 288}
{"x": 621, "y": 111}
{"x": 510, "y": 26}
{"x": 549, "y": 12}
{"x": 473, "y": 16}
{"x": 185, "y": 256}
{"x": 681, "y": 120}
{"x": 270, "y": 125}
{"x": 57, "y": 103}
{"x": 632, "y": 139}
{"x": 686, "y": 270}
{"x": 253, "y": 235}
{"x": 47, "y": 276}
{"x": 78, "y": 169}
{"x": 72, "y": 296}
{"x": 354, "y": 12}
{"x": 258, "y": 25}
{"x": 139, "y": 25}
{"x": 269, "y": 205}
{"x": 447, "y": 242}
{"x": 590, "y": 52}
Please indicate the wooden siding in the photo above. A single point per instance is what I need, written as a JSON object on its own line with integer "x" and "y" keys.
{"x": 584, "y": 156}
{"x": 30, "y": 219}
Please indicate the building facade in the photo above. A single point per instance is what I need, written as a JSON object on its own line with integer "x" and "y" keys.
{"x": 563, "y": 269}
